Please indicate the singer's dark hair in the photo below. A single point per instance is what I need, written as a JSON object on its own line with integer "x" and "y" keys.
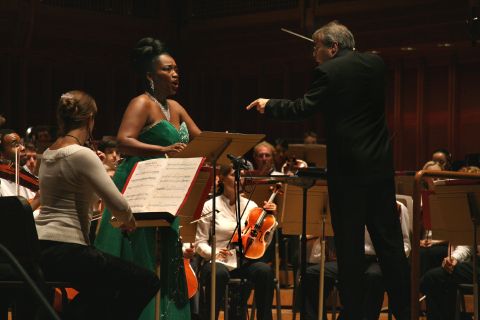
{"x": 144, "y": 57}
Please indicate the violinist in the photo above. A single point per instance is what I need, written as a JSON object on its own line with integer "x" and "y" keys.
{"x": 10, "y": 145}
{"x": 70, "y": 174}
{"x": 263, "y": 156}
{"x": 31, "y": 159}
{"x": 112, "y": 155}
{"x": 258, "y": 273}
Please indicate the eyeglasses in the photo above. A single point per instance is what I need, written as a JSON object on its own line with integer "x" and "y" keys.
{"x": 169, "y": 68}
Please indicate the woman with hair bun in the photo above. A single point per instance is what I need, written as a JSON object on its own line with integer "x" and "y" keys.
{"x": 153, "y": 126}
{"x": 70, "y": 175}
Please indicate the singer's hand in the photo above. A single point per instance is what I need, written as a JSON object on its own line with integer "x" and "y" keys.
{"x": 129, "y": 226}
{"x": 174, "y": 148}
{"x": 259, "y": 104}
{"x": 449, "y": 264}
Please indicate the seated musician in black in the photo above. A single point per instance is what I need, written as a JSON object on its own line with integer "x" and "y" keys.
{"x": 257, "y": 272}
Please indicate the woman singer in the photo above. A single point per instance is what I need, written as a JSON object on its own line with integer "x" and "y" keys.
{"x": 152, "y": 126}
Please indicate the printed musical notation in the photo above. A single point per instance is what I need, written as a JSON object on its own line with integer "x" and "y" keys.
{"x": 161, "y": 185}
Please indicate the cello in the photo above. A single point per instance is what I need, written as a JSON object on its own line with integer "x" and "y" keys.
{"x": 258, "y": 225}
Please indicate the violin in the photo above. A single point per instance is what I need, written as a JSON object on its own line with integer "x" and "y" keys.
{"x": 291, "y": 166}
{"x": 259, "y": 224}
{"x": 26, "y": 179}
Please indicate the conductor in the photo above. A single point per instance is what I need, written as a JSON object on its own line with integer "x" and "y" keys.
{"x": 348, "y": 88}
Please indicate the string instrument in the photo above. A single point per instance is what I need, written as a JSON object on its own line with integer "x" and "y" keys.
{"x": 291, "y": 166}
{"x": 192, "y": 282}
{"x": 259, "y": 224}
{"x": 25, "y": 178}
{"x": 190, "y": 277}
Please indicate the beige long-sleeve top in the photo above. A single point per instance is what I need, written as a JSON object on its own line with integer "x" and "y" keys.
{"x": 69, "y": 179}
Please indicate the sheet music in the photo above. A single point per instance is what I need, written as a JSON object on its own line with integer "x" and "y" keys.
{"x": 160, "y": 185}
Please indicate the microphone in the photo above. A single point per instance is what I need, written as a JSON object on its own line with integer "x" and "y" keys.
{"x": 238, "y": 162}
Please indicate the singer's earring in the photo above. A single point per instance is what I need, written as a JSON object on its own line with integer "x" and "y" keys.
{"x": 152, "y": 87}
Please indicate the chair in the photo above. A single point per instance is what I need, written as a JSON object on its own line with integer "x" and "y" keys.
{"x": 18, "y": 235}
{"x": 228, "y": 299}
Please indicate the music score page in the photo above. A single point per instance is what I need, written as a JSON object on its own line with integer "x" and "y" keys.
{"x": 161, "y": 185}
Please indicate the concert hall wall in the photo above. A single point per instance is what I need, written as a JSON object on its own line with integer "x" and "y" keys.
{"x": 432, "y": 97}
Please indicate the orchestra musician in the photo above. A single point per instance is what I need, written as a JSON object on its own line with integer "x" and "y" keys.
{"x": 349, "y": 89}
{"x": 70, "y": 174}
{"x": 9, "y": 142}
{"x": 153, "y": 126}
{"x": 112, "y": 156}
{"x": 257, "y": 272}
{"x": 263, "y": 159}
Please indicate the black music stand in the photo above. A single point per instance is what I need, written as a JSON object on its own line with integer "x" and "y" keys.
{"x": 215, "y": 146}
{"x": 307, "y": 180}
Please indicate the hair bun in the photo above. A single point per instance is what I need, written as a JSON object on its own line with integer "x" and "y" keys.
{"x": 74, "y": 108}
{"x": 145, "y": 51}
{"x": 68, "y": 105}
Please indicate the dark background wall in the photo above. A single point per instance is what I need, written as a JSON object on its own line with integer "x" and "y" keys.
{"x": 232, "y": 51}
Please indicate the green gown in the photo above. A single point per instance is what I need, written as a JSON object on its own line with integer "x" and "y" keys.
{"x": 140, "y": 246}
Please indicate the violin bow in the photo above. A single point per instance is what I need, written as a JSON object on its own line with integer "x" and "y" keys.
{"x": 17, "y": 171}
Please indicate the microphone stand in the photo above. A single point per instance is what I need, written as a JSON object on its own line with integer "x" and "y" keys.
{"x": 236, "y": 168}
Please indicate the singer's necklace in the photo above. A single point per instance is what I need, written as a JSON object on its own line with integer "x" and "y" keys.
{"x": 78, "y": 140}
{"x": 164, "y": 108}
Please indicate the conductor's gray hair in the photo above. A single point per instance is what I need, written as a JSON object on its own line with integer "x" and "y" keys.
{"x": 335, "y": 32}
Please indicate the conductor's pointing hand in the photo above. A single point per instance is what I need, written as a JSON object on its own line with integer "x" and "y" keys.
{"x": 259, "y": 104}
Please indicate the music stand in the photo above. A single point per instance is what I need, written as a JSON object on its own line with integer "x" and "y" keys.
{"x": 313, "y": 154}
{"x": 404, "y": 181}
{"x": 215, "y": 146}
{"x": 186, "y": 205}
{"x": 195, "y": 204}
{"x": 311, "y": 190}
{"x": 454, "y": 215}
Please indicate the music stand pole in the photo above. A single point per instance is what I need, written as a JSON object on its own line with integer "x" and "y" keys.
{"x": 236, "y": 168}
{"x": 213, "y": 274}
{"x": 303, "y": 243}
{"x": 322, "y": 264}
